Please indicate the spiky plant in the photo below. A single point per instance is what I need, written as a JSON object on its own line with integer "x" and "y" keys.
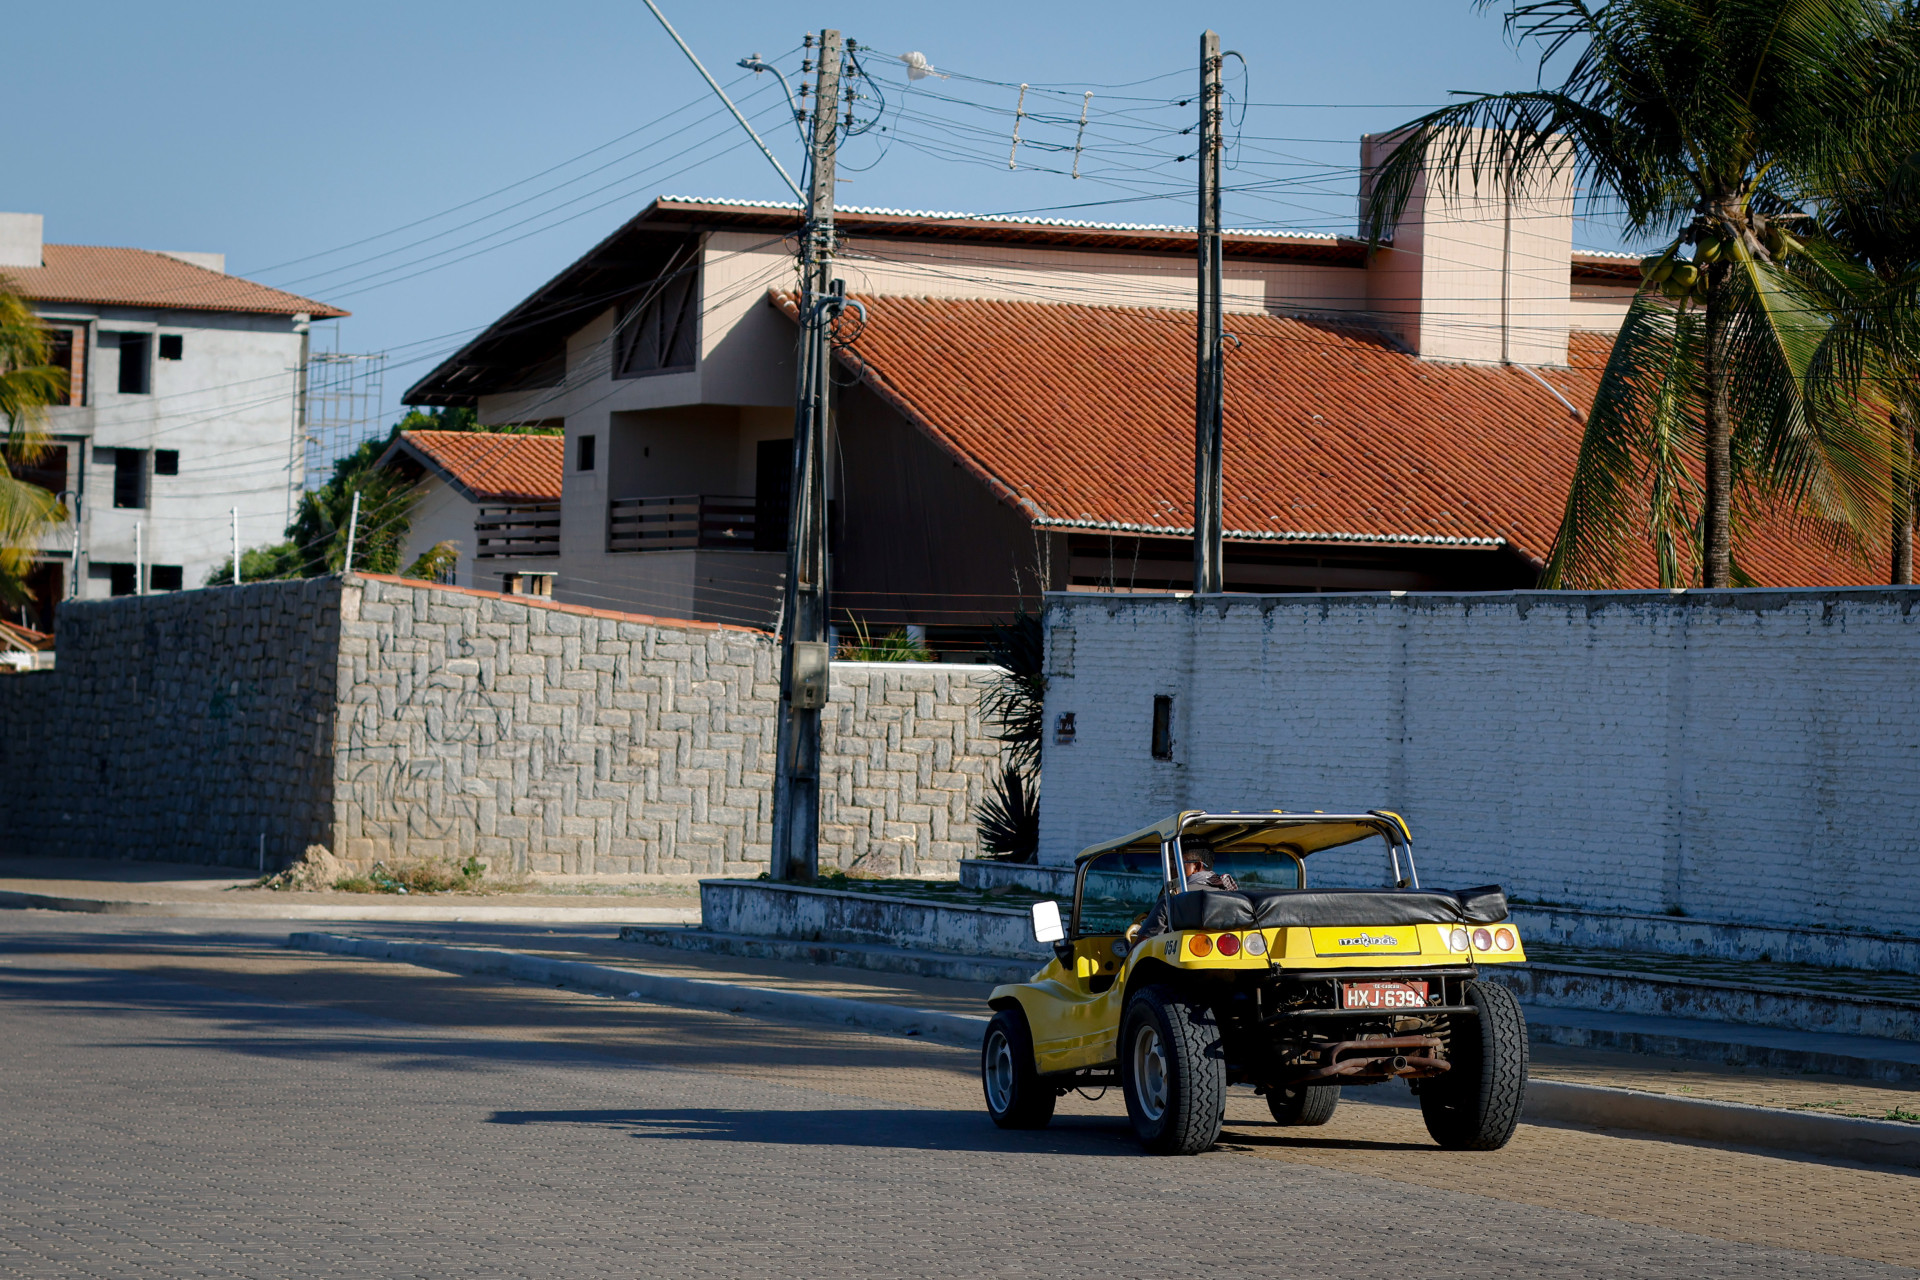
{"x": 1712, "y": 124}
{"x": 28, "y": 384}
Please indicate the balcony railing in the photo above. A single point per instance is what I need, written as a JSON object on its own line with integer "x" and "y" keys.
{"x": 699, "y": 520}
{"x": 516, "y": 533}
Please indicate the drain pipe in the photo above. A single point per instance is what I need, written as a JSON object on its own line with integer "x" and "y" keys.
{"x": 1573, "y": 410}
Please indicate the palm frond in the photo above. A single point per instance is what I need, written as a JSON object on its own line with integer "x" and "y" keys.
{"x": 1631, "y": 473}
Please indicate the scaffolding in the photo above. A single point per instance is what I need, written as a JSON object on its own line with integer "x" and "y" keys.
{"x": 343, "y": 405}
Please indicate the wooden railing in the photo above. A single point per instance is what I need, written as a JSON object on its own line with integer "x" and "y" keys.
{"x": 698, "y": 520}
{"x": 515, "y": 533}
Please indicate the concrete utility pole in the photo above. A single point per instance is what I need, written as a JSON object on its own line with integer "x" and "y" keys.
{"x": 803, "y": 645}
{"x": 1210, "y": 376}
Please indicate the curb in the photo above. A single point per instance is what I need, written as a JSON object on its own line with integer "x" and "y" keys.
{"x": 1548, "y": 1101}
{"x": 1736, "y": 1123}
{"x": 394, "y": 911}
{"x": 957, "y": 1029}
{"x": 987, "y": 970}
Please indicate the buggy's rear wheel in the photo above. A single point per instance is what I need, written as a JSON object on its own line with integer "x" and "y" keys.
{"x": 1172, "y": 1072}
{"x": 1476, "y": 1105}
{"x": 1303, "y": 1104}
{"x": 1016, "y": 1096}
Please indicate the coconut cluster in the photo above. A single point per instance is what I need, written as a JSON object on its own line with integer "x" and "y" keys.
{"x": 1683, "y": 278}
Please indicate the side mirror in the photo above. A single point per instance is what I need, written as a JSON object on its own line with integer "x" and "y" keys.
{"x": 1046, "y": 922}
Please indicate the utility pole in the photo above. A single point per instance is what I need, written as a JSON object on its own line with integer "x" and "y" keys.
{"x": 1210, "y": 378}
{"x": 236, "y": 546}
{"x": 353, "y": 528}
{"x": 803, "y": 645}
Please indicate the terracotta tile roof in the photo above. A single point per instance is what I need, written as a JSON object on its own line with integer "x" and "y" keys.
{"x": 486, "y": 466}
{"x": 85, "y": 273}
{"x": 1083, "y": 417}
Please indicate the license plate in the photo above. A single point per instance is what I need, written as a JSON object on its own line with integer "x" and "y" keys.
{"x": 1383, "y": 995}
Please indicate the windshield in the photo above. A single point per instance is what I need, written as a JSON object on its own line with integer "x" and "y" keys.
{"x": 1260, "y": 870}
{"x": 1119, "y": 886}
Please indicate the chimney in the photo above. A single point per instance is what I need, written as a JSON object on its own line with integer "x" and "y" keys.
{"x": 1476, "y": 272}
{"x": 205, "y": 261}
{"x": 20, "y": 240}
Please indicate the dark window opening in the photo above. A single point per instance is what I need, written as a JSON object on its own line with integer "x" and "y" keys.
{"x": 136, "y": 351}
{"x": 583, "y": 454}
{"x": 659, "y": 337}
{"x": 165, "y": 577}
{"x": 49, "y": 470}
{"x": 772, "y": 492}
{"x": 1162, "y": 726}
{"x": 119, "y": 575}
{"x": 172, "y": 346}
{"x": 166, "y": 462}
{"x": 129, "y": 477}
{"x": 66, "y": 351}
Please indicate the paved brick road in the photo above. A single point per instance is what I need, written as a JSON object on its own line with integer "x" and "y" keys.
{"x": 179, "y": 1104}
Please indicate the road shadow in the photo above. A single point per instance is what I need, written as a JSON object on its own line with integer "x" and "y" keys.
{"x": 894, "y": 1128}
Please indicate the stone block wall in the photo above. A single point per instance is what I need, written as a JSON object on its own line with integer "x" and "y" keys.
{"x": 1748, "y": 756}
{"x": 193, "y": 726}
{"x": 396, "y": 720}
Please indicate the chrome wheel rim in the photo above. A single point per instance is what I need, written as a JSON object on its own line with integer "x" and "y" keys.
{"x": 1149, "y": 1072}
{"x": 999, "y": 1073}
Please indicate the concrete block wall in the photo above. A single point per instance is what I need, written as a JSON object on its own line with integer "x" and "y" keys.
{"x": 1748, "y": 756}
{"x": 187, "y": 726}
{"x": 396, "y": 720}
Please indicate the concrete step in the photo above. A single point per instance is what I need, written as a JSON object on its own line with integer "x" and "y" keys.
{"x": 1733, "y": 1044}
{"x": 986, "y": 970}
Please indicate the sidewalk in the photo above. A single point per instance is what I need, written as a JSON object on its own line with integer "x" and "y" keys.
{"x": 193, "y": 890}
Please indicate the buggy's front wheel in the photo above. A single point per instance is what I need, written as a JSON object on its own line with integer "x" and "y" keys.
{"x": 1172, "y": 1072}
{"x": 1016, "y": 1096}
{"x": 1476, "y": 1105}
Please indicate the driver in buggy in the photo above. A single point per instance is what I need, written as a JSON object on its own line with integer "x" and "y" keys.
{"x": 1196, "y": 863}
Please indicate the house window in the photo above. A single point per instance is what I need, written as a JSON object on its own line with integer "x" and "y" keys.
{"x": 1162, "y": 727}
{"x": 527, "y": 584}
{"x": 583, "y": 454}
{"x": 129, "y": 477}
{"x": 165, "y": 577}
{"x": 658, "y": 335}
{"x": 136, "y": 353}
{"x": 67, "y": 351}
{"x": 49, "y": 471}
{"x": 119, "y": 576}
{"x": 166, "y": 462}
{"x": 172, "y": 346}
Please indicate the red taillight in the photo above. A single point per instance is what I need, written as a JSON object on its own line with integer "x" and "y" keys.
{"x": 1503, "y": 939}
{"x": 1482, "y": 940}
{"x": 1199, "y": 945}
{"x": 1228, "y": 944}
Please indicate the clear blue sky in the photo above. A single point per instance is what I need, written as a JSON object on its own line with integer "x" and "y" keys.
{"x": 275, "y": 133}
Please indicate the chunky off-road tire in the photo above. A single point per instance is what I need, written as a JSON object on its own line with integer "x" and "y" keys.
{"x": 1172, "y": 1072}
{"x": 1016, "y": 1096}
{"x": 1303, "y": 1103}
{"x": 1475, "y": 1106}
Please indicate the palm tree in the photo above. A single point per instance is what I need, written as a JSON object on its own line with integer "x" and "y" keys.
{"x": 1872, "y": 215}
{"x": 1712, "y": 123}
{"x": 28, "y": 384}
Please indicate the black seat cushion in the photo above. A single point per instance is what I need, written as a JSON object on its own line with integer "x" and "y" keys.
{"x": 1325, "y": 907}
{"x": 1210, "y": 909}
{"x": 1219, "y": 909}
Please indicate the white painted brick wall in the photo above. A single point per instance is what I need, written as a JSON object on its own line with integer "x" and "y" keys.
{"x": 1750, "y": 756}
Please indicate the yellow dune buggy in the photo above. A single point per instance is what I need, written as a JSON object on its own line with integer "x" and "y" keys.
{"x": 1176, "y": 992}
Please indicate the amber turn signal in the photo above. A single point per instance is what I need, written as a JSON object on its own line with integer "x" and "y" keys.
{"x": 1199, "y": 945}
{"x": 1503, "y": 939}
